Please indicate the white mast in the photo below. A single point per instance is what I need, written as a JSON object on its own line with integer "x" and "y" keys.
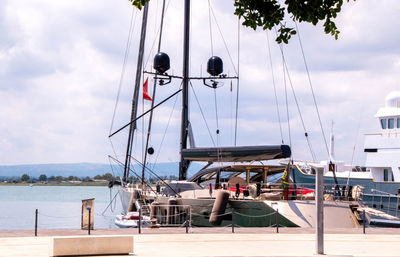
{"x": 332, "y": 146}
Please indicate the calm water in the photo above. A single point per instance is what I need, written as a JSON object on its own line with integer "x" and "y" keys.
{"x": 59, "y": 206}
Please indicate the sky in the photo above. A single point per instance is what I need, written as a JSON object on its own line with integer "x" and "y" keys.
{"x": 62, "y": 62}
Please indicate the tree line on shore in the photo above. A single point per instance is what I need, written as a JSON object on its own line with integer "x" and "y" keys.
{"x": 43, "y": 178}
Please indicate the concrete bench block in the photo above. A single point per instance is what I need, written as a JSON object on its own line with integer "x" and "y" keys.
{"x": 90, "y": 245}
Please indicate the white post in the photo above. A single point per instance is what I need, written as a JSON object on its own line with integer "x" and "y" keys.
{"x": 319, "y": 203}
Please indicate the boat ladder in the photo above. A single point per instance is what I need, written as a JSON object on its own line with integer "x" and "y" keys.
{"x": 144, "y": 206}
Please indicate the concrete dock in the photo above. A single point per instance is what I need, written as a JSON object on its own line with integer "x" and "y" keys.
{"x": 220, "y": 242}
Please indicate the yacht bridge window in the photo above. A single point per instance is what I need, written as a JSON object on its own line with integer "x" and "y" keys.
{"x": 383, "y": 123}
{"x": 391, "y": 123}
{"x": 387, "y": 175}
{"x": 398, "y": 122}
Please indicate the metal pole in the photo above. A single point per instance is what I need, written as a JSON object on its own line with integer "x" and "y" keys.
{"x": 136, "y": 92}
{"x": 364, "y": 221}
{"x": 187, "y": 225}
{"x": 190, "y": 217}
{"x": 36, "y": 218}
{"x": 276, "y": 221}
{"x": 233, "y": 220}
{"x": 90, "y": 211}
{"x": 319, "y": 202}
{"x": 140, "y": 221}
{"x": 373, "y": 199}
{"x": 183, "y": 164}
{"x": 154, "y": 92}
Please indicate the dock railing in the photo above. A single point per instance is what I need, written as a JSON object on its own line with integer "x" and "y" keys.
{"x": 376, "y": 199}
{"x": 171, "y": 215}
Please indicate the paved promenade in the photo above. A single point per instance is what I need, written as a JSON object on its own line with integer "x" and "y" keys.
{"x": 219, "y": 242}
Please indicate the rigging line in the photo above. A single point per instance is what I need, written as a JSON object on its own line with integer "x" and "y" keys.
{"x": 115, "y": 143}
{"x": 298, "y": 109}
{"x": 131, "y": 170}
{"x": 156, "y": 17}
{"x": 216, "y": 118}
{"x": 149, "y": 129}
{"x": 273, "y": 82}
{"x": 110, "y": 204}
{"x": 142, "y": 124}
{"x": 111, "y": 166}
{"x": 202, "y": 114}
{"x": 286, "y": 101}
{"x": 164, "y": 9}
{"x": 143, "y": 114}
{"x": 297, "y": 103}
{"x": 121, "y": 172}
{"x": 312, "y": 89}
{"x": 210, "y": 28}
{"x": 155, "y": 39}
{"x": 238, "y": 82}
{"x": 231, "y": 112}
{"x": 113, "y": 148}
{"x": 223, "y": 40}
{"x": 155, "y": 174}
{"x": 127, "y": 49}
{"x": 216, "y": 110}
{"x": 166, "y": 129}
{"x": 352, "y": 155}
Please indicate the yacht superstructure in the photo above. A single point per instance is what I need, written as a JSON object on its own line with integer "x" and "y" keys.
{"x": 383, "y": 148}
{"x": 380, "y": 177}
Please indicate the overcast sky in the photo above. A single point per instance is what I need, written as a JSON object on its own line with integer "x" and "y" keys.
{"x": 61, "y": 63}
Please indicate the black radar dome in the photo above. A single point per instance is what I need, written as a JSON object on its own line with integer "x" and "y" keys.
{"x": 161, "y": 62}
{"x": 215, "y": 66}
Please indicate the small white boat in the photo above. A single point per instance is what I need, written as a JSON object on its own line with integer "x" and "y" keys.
{"x": 131, "y": 220}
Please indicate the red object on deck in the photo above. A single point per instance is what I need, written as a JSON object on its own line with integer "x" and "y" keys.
{"x": 290, "y": 190}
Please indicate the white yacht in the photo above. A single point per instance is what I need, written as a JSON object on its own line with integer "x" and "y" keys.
{"x": 380, "y": 176}
{"x": 383, "y": 148}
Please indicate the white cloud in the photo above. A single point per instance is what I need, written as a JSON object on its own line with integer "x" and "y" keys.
{"x": 60, "y": 63}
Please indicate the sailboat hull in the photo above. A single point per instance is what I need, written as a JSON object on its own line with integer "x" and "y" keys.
{"x": 250, "y": 212}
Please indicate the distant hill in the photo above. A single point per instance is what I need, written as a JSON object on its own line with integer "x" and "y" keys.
{"x": 86, "y": 169}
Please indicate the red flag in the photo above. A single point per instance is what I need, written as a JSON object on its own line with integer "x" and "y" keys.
{"x": 145, "y": 93}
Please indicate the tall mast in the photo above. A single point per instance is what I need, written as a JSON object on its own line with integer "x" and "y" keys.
{"x": 132, "y": 126}
{"x": 154, "y": 96}
{"x": 183, "y": 165}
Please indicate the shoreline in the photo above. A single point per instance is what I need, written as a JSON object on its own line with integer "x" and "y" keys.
{"x": 89, "y": 184}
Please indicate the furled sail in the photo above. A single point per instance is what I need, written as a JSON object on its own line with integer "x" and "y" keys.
{"x": 236, "y": 153}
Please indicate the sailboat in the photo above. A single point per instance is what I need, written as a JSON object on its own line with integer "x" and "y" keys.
{"x": 222, "y": 194}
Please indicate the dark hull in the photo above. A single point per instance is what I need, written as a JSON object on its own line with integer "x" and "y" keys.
{"x": 299, "y": 177}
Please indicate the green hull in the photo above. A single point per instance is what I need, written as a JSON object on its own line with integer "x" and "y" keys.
{"x": 246, "y": 213}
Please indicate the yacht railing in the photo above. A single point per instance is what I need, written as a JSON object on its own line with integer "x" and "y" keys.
{"x": 383, "y": 201}
{"x": 338, "y": 192}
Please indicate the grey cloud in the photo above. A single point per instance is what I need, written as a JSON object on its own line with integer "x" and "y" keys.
{"x": 26, "y": 65}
